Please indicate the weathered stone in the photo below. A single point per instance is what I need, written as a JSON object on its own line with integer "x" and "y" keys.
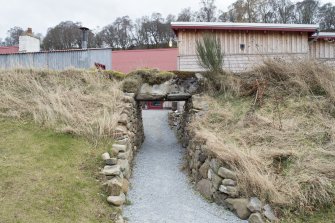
{"x": 199, "y": 103}
{"x": 228, "y": 182}
{"x": 120, "y": 220}
{"x": 123, "y": 155}
{"x": 178, "y": 96}
{"x": 203, "y": 170}
{"x": 216, "y": 181}
{"x": 124, "y": 141}
{"x": 153, "y": 92}
{"x": 121, "y": 129}
{"x": 111, "y": 170}
{"x": 117, "y": 200}
{"x": 125, "y": 185}
{"x": 227, "y": 174}
{"x": 128, "y": 99}
{"x": 119, "y": 148}
{"x": 114, "y": 186}
{"x": 204, "y": 186}
{"x": 239, "y": 206}
{"x": 215, "y": 164}
{"x": 255, "y": 218}
{"x": 105, "y": 156}
{"x": 123, "y": 119}
{"x": 231, "y": 191}
{"x": 210, "y": 173}
{"x": 202, "y": 157}
{"x": 111, "y": 161}
{"x": 255, "y": 204}
{"x": 220, "y": 198}
{"x": 125, "y": 168}
{"x": 268, "y": 213}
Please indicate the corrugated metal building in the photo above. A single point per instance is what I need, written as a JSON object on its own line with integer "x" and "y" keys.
{"x": 128, "y": 60}
{"x": 58, "y": 60}
{"x": 247, "y": 44}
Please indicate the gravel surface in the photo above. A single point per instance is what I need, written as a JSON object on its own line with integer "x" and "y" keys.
{"x": 161, "y": 192}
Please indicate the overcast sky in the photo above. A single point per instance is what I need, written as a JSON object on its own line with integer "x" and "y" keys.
{"x": 42, "y": 14}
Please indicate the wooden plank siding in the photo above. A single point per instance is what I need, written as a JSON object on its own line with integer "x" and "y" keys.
{"x": 323, "y": 51}
{"x": 259, "y": 45}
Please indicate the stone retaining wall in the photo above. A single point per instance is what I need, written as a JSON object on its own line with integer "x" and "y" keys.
{"x": 212, "y": 177}
{"x": 129, "y": 136}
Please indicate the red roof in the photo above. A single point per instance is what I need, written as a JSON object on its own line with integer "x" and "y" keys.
{"x": 129, "y": 60}
{"x": 9, "y": 49}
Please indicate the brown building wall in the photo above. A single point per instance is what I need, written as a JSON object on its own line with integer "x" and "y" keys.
{"x": 259, "y": 45}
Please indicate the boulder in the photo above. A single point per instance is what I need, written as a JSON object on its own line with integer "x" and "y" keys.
{"x": 117, "y": 200}
{"x": 216, "y": 181}
{"x": 114, "y": 186}
{"x": 105, "y": 156}
{"x": 255, "y": 218}
{"x": 220, "y": 198}
{"x": 255, "y": 205}
{"x": 111, "y": 161}
{"x": 215, "y": 165}
{"x": 228, "y": 182}
{"x": 125, "y": 185}
{"x": 155, "y": 92}
{"x": 269, "y": 214}
{"x": 204, "y": 186}
{"x": 119, "y": 148}
{"x": 239, "y": 206}
{"x": 123, "y": 119}
{"x": 203, "y": 170}
{"x": 231, "y": 191}
{"x": 226, "y": 173}
{"x": 123, "y": 155}
{"x": 125, "y": 168}
{"x": 111, "y": 170}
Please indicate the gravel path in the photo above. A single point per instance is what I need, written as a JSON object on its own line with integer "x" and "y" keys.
{"x": 160, "y": 192}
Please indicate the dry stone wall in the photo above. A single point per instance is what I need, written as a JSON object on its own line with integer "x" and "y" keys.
{"x": 129, "y": 136}
{"x": 212, "y": 177}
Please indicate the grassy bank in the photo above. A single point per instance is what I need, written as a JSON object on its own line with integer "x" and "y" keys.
{"x": 277, "y": 131}
{"x": 48, "y": 177}
{"x": 54, "y": 125}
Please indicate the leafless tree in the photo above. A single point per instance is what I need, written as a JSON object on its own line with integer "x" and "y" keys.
{"x": 306, "y": 11}
{"x": 186, "y": 15}
{"x": 327, "y": 17}
{"x": 13, "y": 36}
{"x": 207, "y": 12}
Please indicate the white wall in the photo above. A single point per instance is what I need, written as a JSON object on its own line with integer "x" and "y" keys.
{"x": 29, "y": 44}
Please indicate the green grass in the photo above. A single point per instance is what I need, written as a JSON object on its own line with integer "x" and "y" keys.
{"x": 48, "y": 177}
{"x": 324, "y": 216}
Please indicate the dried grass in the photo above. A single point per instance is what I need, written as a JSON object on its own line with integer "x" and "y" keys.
{"x": 73, "y": 101}
{"x": 287, "y": 160}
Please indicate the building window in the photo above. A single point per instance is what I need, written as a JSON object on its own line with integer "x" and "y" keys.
{"x": 242, "y": 46}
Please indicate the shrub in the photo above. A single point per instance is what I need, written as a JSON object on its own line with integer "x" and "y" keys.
{"x": 209, "y": 53}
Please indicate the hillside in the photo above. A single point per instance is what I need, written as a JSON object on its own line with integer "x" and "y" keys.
{"x": 275, "y": 127}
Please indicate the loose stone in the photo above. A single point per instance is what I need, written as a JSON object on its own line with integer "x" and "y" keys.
{"x": 117, "y": 200}
{"x": 227, "y": 174}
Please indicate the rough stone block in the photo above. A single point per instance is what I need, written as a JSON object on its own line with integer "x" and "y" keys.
{"x": 255, "y": 218}
{"x": 204, "y": 186}
{"x": 231, "y": 191}
{"x": 117, "y": 200}
{"x": 111, "y": 170}
{"x": 255, "y": 205}
{"x": 239, "y": 206}
{"x": 226, "y": 173}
